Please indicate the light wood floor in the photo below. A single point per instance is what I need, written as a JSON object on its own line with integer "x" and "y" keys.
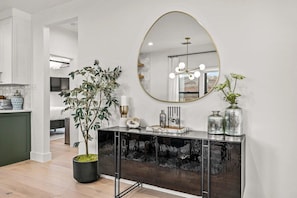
{"x": 54, "y": 179}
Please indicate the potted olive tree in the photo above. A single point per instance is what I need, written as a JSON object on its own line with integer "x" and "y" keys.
{"x": 90, "y": 103}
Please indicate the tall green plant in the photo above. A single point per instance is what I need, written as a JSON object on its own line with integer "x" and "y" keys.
{"x": 228, "y": 88}
{"x": 91, "y": 99}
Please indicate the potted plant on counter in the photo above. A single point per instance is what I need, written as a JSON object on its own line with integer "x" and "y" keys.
{"x": 90, "y": 102}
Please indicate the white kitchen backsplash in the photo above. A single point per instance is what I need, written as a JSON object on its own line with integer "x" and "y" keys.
{"x": 9, "y": 90}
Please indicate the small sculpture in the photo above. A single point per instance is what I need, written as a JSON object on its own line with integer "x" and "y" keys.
{"x": 133, "y": 123}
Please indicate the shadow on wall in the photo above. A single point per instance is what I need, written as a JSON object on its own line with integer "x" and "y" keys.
{"x": 259, "y": 154}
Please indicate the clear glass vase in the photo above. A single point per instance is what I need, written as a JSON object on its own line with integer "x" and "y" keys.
{"x": 233, "y": 120}
{"x": 215, "y": 123}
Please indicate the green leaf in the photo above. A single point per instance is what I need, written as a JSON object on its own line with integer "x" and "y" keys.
{"x": 228, "y": 88}
{"x": 237, "y": 76}
{"x": 76, "y": 144}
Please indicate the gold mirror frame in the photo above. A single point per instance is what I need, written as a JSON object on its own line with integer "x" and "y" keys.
{"x": 190, "y": 43}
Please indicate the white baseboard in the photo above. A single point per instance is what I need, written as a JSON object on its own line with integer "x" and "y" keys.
{"x": 40, "y": 157}
{"x": 173, "y": 192}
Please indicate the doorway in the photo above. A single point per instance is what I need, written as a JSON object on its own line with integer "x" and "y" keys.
{"x": 63, "y": 53}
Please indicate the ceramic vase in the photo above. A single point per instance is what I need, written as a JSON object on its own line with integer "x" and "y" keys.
{"x": 17, "y": 101}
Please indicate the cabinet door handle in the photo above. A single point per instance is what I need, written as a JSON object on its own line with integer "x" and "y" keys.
{"x": 205, "y": 188}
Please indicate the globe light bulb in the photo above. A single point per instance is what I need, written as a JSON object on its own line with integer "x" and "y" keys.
{"x": 150, "y": 44}
{"x": 191, "y": 77}
{"x": 202, "y": 67}
{"x": 177, "y": 70}
{"x": 197, "y": 74}
{"x": 171, "y": 75}
{"x": 181, "y": 65}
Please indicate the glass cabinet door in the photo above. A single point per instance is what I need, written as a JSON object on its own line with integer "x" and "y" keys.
{"x": 138, "y": 157}
{"x": 226, "y": 167}
{"x": 106, "y": 152}
{"x": 179, "y": 162}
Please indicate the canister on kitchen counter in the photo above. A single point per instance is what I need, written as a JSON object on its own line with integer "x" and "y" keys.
{"x": 17, "y": 101}
{"x": 5, "y": 104}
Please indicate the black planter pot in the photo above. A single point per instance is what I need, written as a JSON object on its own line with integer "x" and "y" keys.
{"x": 85, "y": 172}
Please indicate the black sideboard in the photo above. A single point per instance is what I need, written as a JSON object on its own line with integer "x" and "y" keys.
{"x": 211, "y": 166}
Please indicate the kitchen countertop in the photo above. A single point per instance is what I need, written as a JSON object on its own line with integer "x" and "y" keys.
{"x": 15, "y": 111}
{"x": 191, "y": 134}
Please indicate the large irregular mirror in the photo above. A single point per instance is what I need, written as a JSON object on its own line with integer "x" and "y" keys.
{"x": 178, "y": 61}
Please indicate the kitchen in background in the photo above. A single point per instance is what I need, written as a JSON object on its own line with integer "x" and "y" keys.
{"x": 16, "y": 94}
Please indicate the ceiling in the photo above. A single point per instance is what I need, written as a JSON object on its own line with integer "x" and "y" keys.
{"x": 35, "y": 6}
{"x": 30, "y": 6}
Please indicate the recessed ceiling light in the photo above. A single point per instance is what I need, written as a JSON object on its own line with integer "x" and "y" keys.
{"x": 150, "y": 44}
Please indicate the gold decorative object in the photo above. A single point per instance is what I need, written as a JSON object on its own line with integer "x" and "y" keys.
{"x": 124, "y": 111}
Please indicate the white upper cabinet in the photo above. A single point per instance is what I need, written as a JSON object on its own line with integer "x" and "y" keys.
{"x": 15, "y": 47}
{"x": 5, "y": 47}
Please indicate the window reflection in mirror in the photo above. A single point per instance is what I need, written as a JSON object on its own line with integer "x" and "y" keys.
{"x": 178, "y": 61}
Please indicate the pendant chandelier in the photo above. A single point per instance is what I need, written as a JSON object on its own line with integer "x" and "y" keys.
{"x": 183, "y": 68}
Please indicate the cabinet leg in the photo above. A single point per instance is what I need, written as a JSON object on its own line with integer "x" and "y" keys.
{"x": 117, "y": 160}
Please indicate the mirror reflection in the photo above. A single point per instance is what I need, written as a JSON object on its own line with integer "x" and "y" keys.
{"x": 178, "y": 61}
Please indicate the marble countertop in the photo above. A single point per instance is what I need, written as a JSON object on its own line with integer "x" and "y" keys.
{"x": 191, "y": 134}
{"x": 15, "y": 111}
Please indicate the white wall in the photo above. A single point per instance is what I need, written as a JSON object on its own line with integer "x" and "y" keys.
{"x": 159, "y": 75}
{"x": 254, "y": 38}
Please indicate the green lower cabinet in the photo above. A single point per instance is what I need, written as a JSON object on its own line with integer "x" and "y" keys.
{"x": 15, "y": 137}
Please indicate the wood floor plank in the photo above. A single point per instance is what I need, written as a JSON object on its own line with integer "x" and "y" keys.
{"x": 30, "y": 179}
